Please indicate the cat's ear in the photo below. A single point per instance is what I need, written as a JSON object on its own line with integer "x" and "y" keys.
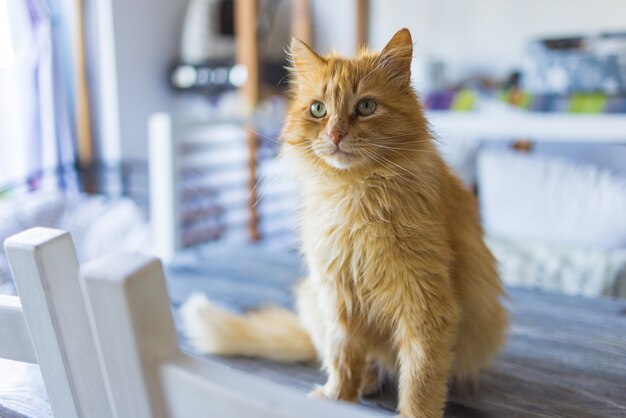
{"x": 396, "y": 56}
{"x": 303, "y": 58}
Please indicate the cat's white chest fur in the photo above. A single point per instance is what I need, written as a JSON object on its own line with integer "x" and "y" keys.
{"x": 341, "y": 233}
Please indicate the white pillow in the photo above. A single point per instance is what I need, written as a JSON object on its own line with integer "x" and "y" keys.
{"x": 529, "y": 197}
{"x": 561, "y": 268}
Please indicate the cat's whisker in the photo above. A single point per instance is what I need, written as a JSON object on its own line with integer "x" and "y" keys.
{"x": 283, "y": 78}
{"x": 417, "y": 133}
{"x": 411, "y": 175}
{"x": 266, "y": 186}
{"x": 397, "y": 149}
{"x": 275, "y": 140}
{"x": 392, "y": 148}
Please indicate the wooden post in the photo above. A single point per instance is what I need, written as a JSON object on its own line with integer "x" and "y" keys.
{"x": 44, "y": 266}
{"x": 301, "y": 21}
{"x": 164, "y": 178}
{"x": 248, "y": 55}
{"x": 133, "y": 326}
{"x": 523, "y": 145}
{"x": 83, "y": 115}
{"x": 362, "y": 22}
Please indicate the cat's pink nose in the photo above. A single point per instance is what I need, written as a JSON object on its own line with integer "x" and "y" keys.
{"x": 337, "y": 136}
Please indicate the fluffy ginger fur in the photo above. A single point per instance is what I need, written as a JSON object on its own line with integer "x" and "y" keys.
{"x": 400, "y": 280}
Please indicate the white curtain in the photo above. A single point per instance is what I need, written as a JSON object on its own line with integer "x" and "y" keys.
{"x": 36, "y": 138}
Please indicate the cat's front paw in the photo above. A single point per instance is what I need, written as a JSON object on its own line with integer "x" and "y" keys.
{"x": 326, "y": 392}
{"x": 318, "y": 392}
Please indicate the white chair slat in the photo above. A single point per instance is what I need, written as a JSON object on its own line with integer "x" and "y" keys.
{"x": 45, "y": 269}
{"x": 196, "y": 387}
{"x": 131, "y": 317}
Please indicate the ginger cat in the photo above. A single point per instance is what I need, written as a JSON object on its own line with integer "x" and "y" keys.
{"x": 400, "y": 280}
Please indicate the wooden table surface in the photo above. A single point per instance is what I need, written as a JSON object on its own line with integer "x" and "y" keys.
{"x": 564, "y": 357}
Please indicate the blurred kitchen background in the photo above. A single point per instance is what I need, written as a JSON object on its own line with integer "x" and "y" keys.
{"x": 153, "y": 125}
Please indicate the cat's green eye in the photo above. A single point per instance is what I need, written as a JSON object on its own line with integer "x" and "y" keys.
{"x": 366, "y": 107}
{"x": 318, "y": 110}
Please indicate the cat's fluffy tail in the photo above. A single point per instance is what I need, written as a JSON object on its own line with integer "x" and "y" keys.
{"x": 272, "y": 333}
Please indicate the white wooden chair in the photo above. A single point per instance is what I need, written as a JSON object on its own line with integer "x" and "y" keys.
{"x": 48, "y": 323}
{"x": 106, "y": 343}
